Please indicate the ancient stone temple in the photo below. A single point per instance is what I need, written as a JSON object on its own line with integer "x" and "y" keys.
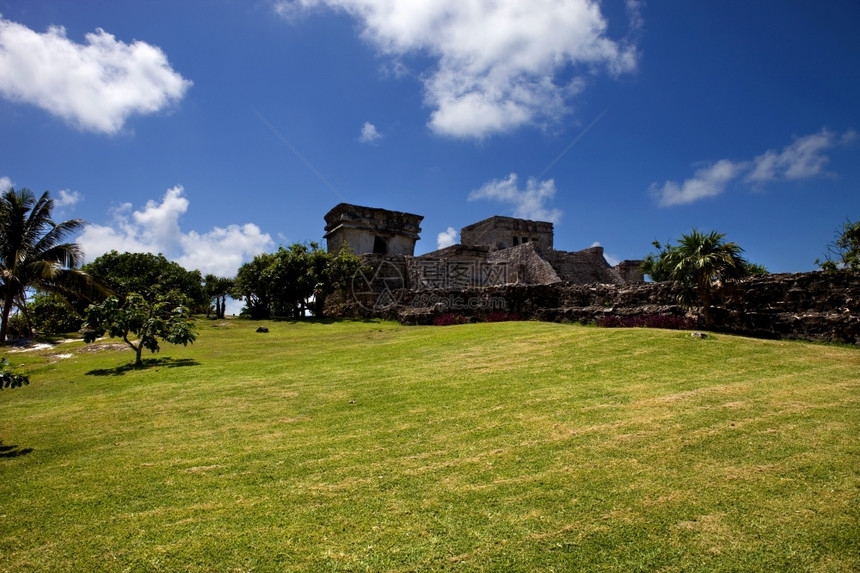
{"x": 507, "y": 264}
{"x": 499, "y": 233}
{"x": 369, "y": 230}
{"x": 495, "y": 251}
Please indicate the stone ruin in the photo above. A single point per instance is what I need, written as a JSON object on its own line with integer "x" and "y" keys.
{"x": 492, "y": 252}
{"x": 499, "y": 233}
{"x": 510, "y": 265}
{"x": 371, "y": 231}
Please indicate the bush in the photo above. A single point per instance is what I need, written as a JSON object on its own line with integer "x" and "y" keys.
{"x": 666, "y": 321}
{"x": 449, "y": 319}
{"x": 844, "y": 251}
{"x": 502, "y": 316}
{"x": 166, "y": 319}
{"x": 9, "y": 378}
{"x": 495, "y": 316}
{"x": 50, "y": 315}
{"x": 18, "y": 326}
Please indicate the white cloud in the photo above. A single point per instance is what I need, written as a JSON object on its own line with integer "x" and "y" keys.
{"x": 158, "y": 223}
{"x": 706, "y": 182}
{"x": 634, "y": 14}
{"x": 234, "y": 307}
{"x": 156, "y": 229}
{"x": 499, "y": 63}
{"x": 5, "y": 183}
{"x": 222, "y": 251}
{"x": 369, "y": 133}
{"x": 803, "y": 159}
{"x": 95, "y": 86}
{"x": 447, "y": 238}
{"x": 611, "y": 259}
{"x": 528, "y": 203}
{"x": 67, "y": 198}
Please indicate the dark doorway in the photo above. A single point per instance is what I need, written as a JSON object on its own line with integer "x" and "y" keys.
{"x": 379, "y": 246}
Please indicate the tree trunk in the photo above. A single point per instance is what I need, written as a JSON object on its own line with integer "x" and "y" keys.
{"x": 22, "y": 306}
{"x": 319, "y": 305}
{"x": 7, "y": 307}
{"x": 138, "y": 350}
{"x": 705, "y": 297}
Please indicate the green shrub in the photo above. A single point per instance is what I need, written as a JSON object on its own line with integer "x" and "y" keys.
{"x": 51, "y": 315}
{"x": 10, "y": 379}
{"x": 18, "y": 326}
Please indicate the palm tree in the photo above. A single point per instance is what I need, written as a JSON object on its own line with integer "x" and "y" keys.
{"x": 699, "y": 262}
{"x": 217, "y": 288}
{"x": 33, "y": 254}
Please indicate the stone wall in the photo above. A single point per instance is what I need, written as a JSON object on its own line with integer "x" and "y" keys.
{"x": 456, "y": 267}
{"x": 371, "y": 230}
{"x": 813, "y": 306}
{"x": 505, "y": 232}
{"x": 584, "y": 267}
{"x": 809, "y": 306}
{"x": 525, "y": 264}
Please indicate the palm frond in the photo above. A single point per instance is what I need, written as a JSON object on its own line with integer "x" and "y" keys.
{"x": 34, "y": 252}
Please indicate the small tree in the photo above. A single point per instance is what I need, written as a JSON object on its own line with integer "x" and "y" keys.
{"x": 34, "y": 254}
{"x": 166, "y": 319}
{"x": 217, "y": 289}
{"x": 150, "y": 276}
{"x": 331, "y": 273}
{"x": 250, "y": 286}
{"x": 697, "y": 263}
{"x": 51, "y": 315}
{"x": 657, "y": 266}
{"x": 292, "y": 280}
{"x": 844, "y": 251}
{"x": 9, "y": 378}
{"x": 289, "y": 281}
{"x": 755, "y": 269}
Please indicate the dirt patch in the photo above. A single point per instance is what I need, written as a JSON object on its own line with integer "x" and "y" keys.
{"x": 31, "y": 347}
{"x": 54, "y": 358}
{"x": 101, "y": 347}
{"x": 27, "y": 345}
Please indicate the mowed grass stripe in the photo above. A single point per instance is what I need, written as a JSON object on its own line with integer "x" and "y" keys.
{"x": 371, "y": 446}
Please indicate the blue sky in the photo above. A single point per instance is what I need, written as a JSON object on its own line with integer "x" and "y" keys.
{"x": 214, "y": 130}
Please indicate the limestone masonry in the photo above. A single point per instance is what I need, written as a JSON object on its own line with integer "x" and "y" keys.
{"x": 510, "y": 266}
{"x": 368, "y": 230}
{"x": 493, "y": 252}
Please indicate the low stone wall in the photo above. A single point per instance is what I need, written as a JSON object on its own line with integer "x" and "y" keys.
{"x": 813, "y": 306}
{"x": 561, "y": 302}
{"x": 806, "y": 306}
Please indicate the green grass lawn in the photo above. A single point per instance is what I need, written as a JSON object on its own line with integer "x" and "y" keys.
{"x": 367, "y": 446}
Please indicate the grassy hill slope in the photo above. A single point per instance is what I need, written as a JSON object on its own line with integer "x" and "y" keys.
{"x": 352, "y": 446}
